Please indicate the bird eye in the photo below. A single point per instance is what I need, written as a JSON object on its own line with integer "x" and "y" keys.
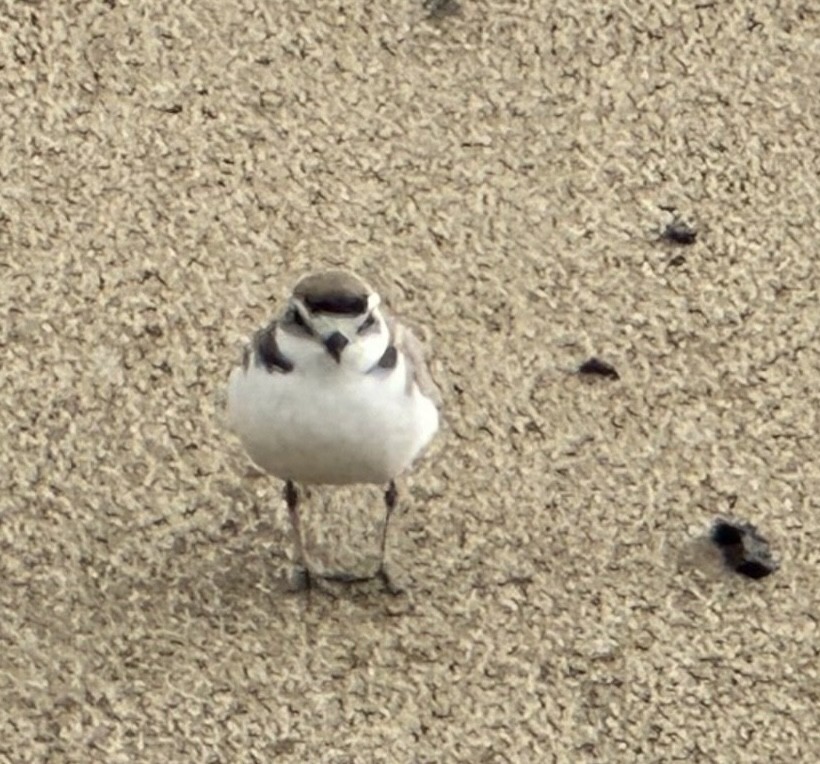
{"x": 297, "y": 318}
{"x": 367, "y": 323}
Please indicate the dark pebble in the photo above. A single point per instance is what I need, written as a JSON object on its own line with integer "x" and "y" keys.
{"x": 599, "y": 367}
{"x": 679, "y": 233}
{"x": 744, "y": 550}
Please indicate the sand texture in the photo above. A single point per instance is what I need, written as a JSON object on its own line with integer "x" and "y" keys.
{"x": 503, "y": 174}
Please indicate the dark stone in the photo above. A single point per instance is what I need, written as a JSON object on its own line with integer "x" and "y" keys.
{"x": 725, "y": 534}
{"x": 598, "y": 367}
{"x": 679, "y": 233}
{"x": 755, "y": 569}
{"x": 744, "y": 550}
{"x": 439, "y": 9}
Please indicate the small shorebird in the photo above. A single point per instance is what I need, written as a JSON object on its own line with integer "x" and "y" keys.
{"x": 333, "y": 391}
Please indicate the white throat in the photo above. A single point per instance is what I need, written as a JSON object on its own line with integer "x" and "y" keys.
{"x": 361, "y": 354}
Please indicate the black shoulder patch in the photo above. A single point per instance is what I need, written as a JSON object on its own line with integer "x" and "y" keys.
{"x": 389, "y": 359}
{"x": 268, "y": 353}
{"x": 340, "y": 304}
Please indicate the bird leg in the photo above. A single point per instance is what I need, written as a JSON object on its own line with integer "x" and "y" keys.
{"x": 301, "y": 572}
{"x": 391, "y": 496}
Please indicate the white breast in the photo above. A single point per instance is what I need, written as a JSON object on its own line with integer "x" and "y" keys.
{"x": 330, "y": 424}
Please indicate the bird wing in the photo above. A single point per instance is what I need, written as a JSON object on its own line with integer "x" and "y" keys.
{"x": 406, "y": 342}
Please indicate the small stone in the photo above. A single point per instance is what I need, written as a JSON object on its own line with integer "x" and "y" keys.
{"x": 439, "y": 9}
{"x": 679, "y": 232}
{"x": 598, "y": 367}
{"x": 744, "y": 550}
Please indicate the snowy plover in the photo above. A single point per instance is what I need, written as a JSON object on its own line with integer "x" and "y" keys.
{"x": 333, "y": 391}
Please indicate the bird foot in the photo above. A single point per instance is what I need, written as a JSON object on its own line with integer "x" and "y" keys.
{"x": 302, "y": 579}
{"x": 390, "y": 586}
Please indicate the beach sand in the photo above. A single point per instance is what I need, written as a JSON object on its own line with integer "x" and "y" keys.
{"x": 503, "y": 175}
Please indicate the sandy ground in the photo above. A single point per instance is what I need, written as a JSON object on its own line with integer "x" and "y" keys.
{"x": 168, "y": 169}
